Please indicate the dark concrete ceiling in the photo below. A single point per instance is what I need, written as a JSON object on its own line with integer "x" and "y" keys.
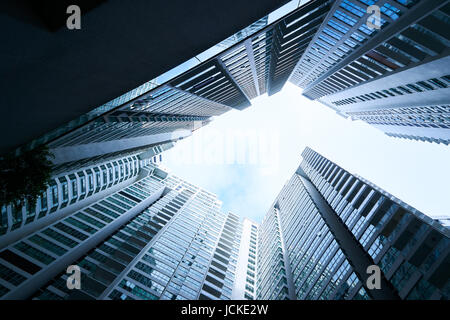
{"x": 50, "y": 75}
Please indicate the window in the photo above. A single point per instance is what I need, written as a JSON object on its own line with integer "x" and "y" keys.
{"x": 116, "y": 172}
{"x": 34, "y": 253}
{"x": 70, "y": 231}
{"x": 80, "y": 225}
{"x": 65, "y": 191}
{"x": 54, "y": 194}
{"x": 82, "y": 185}
{"x": 425, "y": 85}
{"x": 390, "y": 11}
{"x": 98, "y": 179}
{"x": 90, "y": 182}
{"x": 43, "y": 201}
{"x": 407, "y": 3}
{"x": 60, "y": 238}
{"x": 438, "y": 83}
{"x": 11, "y": 276}
{"x": 345, "y": 18}
{"x": 357, "y": 10}
{"x": 89, "y": 220}
{"x": 50, "y": 246}
{"x": 74, "y": 189}
{"x": 338, "y": 27}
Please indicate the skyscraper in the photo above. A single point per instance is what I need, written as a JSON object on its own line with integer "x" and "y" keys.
{"x": 395, "y": 78}
{"x": 74, "y": 185}
{"x": 327, "y": 228}
{"x": 157, "y": 238}
{"x": 137, "y": 232}
{"x": 64, "y": 77}
{"x": 171, "y": 106}
{"x": 246, "y": 267}
{"x": 256, "y": 60}
{"x": 161, "y": 111}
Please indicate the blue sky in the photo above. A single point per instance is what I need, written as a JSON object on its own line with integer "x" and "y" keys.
{"x": 245, "y": 157}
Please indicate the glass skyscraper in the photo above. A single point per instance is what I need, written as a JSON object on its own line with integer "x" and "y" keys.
{"x": 396, "y": 78}
{"x": 327, "y": 226}
{"x": 74, "y": 185}
{"x": 256, "y": 60}
{"x": 95, "y": 149}
{"x": 138, "y": 232}
{"x": 160, "y": 237}
{"x": 157, "y": 238}
{"x": 246, "y": 267}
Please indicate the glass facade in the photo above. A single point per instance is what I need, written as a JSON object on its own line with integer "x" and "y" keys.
{"x": 256, "y": 60}
{"x": 138, "y": 232}
{"x": 161, "y": 237}
{"x": 411, "y": 249}
{"x": 158, "y": 238}
{"x": 77, "y": 182}
{"x": 396, "y": 80}
{"x": 245, "y": 285}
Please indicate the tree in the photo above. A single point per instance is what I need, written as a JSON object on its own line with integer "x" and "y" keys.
{"x": 25, "y": 177}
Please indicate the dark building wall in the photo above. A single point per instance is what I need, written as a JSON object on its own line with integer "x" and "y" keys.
{"x": 51, "y": 77}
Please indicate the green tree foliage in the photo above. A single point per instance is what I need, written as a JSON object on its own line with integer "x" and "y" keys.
{"x": 25, "y": 177}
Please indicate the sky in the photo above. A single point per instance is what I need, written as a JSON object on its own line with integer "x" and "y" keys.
{"x": 245, "y": 157}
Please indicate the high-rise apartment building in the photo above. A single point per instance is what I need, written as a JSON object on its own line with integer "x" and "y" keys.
{"x": 254, "y": 61}
{"x": 64, "y": 77}
{"x": 395, "y": 77}
{"x": 137, "y": 232}
{"x": 327, "y": 228}
{"x": 74, "y": 185}
{"x": 273, "y": 281}
{"x": 246, "y": 267}
{"x": 392, "y": 73}
{"x": 157, "y": 238}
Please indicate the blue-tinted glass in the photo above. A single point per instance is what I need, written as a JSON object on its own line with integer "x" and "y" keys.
{"x": 407, "y": 3}
{"x": 332, "y": 33}
{"x": 369, "y": 2}
{"x": 390, "y": 11}
{"x": 344, "y": 18}
{"x": 357, "y": 10}
{"x": 338, "y": 26}
{"x": 358, "y": 37}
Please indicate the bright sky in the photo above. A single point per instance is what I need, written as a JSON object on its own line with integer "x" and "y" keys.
{"x": 245, "y": 157}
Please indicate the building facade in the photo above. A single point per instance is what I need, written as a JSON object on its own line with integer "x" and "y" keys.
{"x": 444, "y": 220}
{"x": 160, "y": 237}
{"x": 254, "y": 61}
{"x": 74, "y": 185}
{"x": 395, "y": 77}
{"x": 157, "y": 238}
{"x": 327, "y": 227}
{"x": 246, "y": 267}
{"x": 391, "y": 72}
{"x": 137, "y": 232}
